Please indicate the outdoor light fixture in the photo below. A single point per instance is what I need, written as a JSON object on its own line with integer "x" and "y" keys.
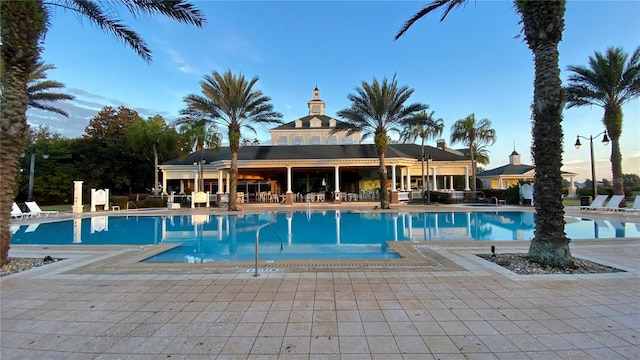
{"x": 605, "y": 141}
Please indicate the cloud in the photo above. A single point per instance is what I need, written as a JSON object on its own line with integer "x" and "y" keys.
{"x": 81, "y": 110}
{"x": 176, "y": 58}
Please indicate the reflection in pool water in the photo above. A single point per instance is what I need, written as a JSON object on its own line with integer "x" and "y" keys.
{"x": 330, "y": 234}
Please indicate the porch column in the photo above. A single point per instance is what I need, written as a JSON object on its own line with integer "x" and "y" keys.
{"x": 308, "y": 189}
{"x": 393, "y": 178}
{"x": 227, "y": 185}
{"x": 337, "y": 197}
{"x": 164, "y": 183}
{"x": 572, "y": 188}
{"x": 408, "y": 178}
{"x": 500, "y": 182}
{"x": 288, "y": 197}
{"x": 435, "y": 184}
{"x": 466, "y": 178}
{"x": 220, "y": 182}
{"x": 451, "y": 182}
{"x": 195, "y": 182}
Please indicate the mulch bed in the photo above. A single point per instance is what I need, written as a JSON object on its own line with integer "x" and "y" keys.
{"x": 522, "y": 265}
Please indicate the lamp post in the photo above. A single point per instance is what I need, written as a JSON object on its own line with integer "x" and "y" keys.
{"x": 605, "y": 141}
{"x": 32, "y": 165}
{"x": 427, "y": 157}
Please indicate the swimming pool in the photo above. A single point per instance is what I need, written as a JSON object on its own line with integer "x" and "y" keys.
{"x": 329, "y": 234}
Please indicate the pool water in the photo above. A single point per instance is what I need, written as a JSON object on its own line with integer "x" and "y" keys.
{"x": 330, "y": 234}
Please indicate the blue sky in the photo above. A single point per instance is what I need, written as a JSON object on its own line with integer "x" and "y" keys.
{"x": 470, "y": 63}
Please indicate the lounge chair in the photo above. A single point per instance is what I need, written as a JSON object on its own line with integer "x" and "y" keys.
{"x": 613, "y": 204}
{"x": 635, "y": 207}
{"x": 16, "y": 212}
{"x": 596, "y": 204}
{"x": 35, "y": 210}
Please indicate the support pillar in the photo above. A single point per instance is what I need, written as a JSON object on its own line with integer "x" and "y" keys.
{"x": 337, "y": 198}
{"x": 466, "y": 179}
{"x": 288, "y": 198}
{"x": 77, "y": 197}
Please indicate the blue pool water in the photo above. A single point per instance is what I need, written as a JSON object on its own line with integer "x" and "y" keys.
{"x": 301, "y": 235}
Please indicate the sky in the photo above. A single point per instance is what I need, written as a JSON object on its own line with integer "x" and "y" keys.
{"x": 472, "y": 62}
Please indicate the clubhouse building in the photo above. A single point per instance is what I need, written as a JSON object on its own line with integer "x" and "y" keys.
{"x": 306, "y": 161}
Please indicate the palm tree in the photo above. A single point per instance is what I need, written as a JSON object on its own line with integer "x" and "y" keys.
{"x": 423, "y": 126}
{"x": 153, "y": 133}
{"x": 609, "y": 82}
{"x": 377, "y": 109}
{"x": 233, "y": 102}
{"x": 41, "y": 91}
{"x": 543, "y": 24}
{"x": 23, "y": 23}
{"x": 198, "y": 135}
{"x": 480, "y": 153}
{"x": 472, "y": 134}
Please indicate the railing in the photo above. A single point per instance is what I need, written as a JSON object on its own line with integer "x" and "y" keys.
{"x": 258, "y": 241}
{"x": 132, "y": 203}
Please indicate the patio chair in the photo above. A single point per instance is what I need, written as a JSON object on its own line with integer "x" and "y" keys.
{"x": 613, "y": 204}
{"x": 16, "y": 212}
{"x": 35, "y": 210}
{"x": 596, "y": 204}
{"x": 635, "y": 207}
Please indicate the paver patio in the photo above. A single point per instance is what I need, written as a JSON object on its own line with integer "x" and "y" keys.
{"x": 468, "y": 308}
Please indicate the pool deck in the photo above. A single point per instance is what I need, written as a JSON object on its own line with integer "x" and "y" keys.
{"x": 442, "y": 302}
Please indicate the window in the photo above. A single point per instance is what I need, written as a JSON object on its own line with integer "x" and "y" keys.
{"x": 283, "y": 140}
{"x": 298, "y": 140}
{"x": 332, "y": 140}
{"x": 315, "y": 140}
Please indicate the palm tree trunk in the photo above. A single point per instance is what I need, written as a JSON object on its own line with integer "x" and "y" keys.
{"x": 22, "y": 24}
{"x": 384, "y": 198}
{"x": 613, "y": 122}
{"x": 473, "y": 168}
{"x": 234, "y": 145}
{"x": 380, "y": 142}
{"x": 543, "y": 24}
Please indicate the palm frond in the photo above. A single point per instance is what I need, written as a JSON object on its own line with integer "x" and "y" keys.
{"x": 105, "y": 16}
{"x": 447, "y": 4}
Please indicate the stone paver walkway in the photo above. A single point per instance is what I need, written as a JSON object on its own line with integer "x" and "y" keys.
{"x": 476, "y": 310}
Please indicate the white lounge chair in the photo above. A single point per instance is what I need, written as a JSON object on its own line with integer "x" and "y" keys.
{"x": 16, "y": 212}
{"x": 613, "y": 204}
{"x": 35, "y": 210}
{"x": 596, "y": 204}
{"x": 635, "y": 207}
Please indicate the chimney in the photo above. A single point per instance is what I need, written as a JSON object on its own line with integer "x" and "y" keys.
{"x": 441, "y": 144}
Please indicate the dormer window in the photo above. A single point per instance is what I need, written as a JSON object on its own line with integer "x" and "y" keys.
{"x": 298, "y": 123}
{"x": 315, "y": 123}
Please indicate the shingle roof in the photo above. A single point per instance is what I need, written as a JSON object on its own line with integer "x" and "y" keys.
{"x": 508, "y": 170}
{"x": 324, "y": 123}
{"x": 296, "y": 152}
{"x": 513, "y": 170}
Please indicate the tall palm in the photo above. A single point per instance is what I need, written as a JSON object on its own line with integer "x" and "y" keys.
{"x": 199, "y": 135}
{"x": 480, "y": 154}
{"x": 233, "y": 102}
{"x": 472, "y": 134}
{"x": 423, "y": 125}
{"x": 543, "y": 24}
{"x": 42, "y": 92}
{"x": 157, "y": 135}
{"x": 377, "y": 109}
{"x": 23, "y": 23}
{"x": 609, "y": 81}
